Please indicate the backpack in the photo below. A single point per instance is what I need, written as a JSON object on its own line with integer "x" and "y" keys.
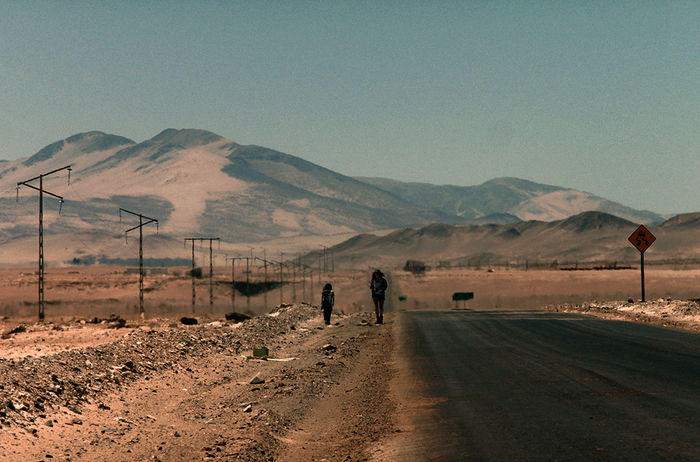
{"x": 327, "y": 299}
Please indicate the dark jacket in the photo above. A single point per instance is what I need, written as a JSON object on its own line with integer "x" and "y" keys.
{"x": 327, "y": 299}
{"x": 379, "y": 287}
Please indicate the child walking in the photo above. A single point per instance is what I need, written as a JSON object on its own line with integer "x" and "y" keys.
{"x": 327, "y": 302}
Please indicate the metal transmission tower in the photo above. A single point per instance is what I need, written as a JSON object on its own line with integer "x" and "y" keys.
{"x": 41, "y": 224}
{"x": 325, "y": 260}
{"x": 211, "y": 269}
{"x": 281, "y": 277}
{"x": 264, "y": 260}
{"x": 126, "y": 233}
{"x": 294, "y": 280}
{"x": 303, "y": 280}
{"x": 233, "y": 281}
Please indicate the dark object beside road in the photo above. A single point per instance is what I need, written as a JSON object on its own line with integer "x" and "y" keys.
{"x": 236, "y": 317}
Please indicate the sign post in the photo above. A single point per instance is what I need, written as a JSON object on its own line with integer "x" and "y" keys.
{"x": 463, "y": 296}
{"x": 642, "y": 239}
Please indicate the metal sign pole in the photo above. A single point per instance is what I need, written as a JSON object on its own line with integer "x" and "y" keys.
{"x": 642, "y": 266}
{"x": 642, "y": 238}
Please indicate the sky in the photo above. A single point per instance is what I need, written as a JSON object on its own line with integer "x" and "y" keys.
{"x": 598, "y": 96}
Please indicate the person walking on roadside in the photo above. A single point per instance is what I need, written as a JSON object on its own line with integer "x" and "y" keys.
{"x": 378, "y": 286}
{"x": 327, "y": 302}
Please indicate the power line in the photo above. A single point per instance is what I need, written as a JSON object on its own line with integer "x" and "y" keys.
{"x": 126, "y": 233}
{"x": 41, "y": 224}
{"x": 211, "y": 269}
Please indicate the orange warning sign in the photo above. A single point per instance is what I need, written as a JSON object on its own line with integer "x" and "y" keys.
{"x": 642, "y": 238}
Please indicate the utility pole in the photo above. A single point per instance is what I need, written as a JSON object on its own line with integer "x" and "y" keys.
{"x": 311, "y": 283}
{"x": 320, "y": 268}
{"x": 304, "y": 269}
{"x": 247, "y": 281}
{"x": 294, "y": 281}
{"x": 211, "y": 268}
{"x": 41, "y": 224}
{"x": 126, "y": 233}
{"x": 194, "y": 294}
{"x": 233, "y": 282}
{"x": 281, "y": 264}
{"x": 325, "y": 259}
{"x": 266, "y": 285}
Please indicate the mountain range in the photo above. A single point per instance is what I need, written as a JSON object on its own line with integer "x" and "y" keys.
{"x": 197, "y": 183}
{"x": 508, "y": 199}
{"x": 587, "y": 238}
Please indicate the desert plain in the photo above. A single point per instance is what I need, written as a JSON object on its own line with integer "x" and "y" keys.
{"x": 97, "y": 291}
{"x": 80, "y": 386}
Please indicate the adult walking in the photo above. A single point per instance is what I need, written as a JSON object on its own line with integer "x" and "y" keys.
{"x": 327, "y": 302}
{"x": 378, "y": 286}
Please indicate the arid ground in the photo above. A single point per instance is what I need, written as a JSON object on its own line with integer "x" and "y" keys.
{"x": 80, "y": 388}
{"x": 100, "y": 291}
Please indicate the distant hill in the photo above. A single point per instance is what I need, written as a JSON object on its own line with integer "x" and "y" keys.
{"x": 194, "y": 182}
{"x": 683, "y": 221}
{"x": 523, "y": 199}
{"x": 197, "y": 183}
{"x": 582, "y": 238}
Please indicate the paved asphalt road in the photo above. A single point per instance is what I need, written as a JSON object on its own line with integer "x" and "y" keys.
{"x": 507, "y": 386}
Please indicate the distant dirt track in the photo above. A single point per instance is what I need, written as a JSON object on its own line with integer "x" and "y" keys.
{"x": 495, "y": 385}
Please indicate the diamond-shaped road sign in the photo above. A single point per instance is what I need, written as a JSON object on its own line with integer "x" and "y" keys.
{"x": 642, "y": 238}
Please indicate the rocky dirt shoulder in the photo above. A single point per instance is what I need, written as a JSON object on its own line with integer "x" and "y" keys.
{"x": 192, "y": 393}
{"x": 681, "y": 314}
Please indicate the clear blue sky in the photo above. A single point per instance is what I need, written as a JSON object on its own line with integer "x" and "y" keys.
{"x": 598, "y": 96}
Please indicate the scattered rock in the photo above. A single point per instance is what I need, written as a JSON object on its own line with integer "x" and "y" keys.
{"x": 115, "y": 322}
{"x": 256, "y": 380}
{"x": 329, "y": 348}
{"x": 69, "y": 379}
{"x": 15, "y": 406}
{"x": 14, "y": 331}
{"x": 188, "y": 321}
{"x": 263, "y": 352}
{"x": 248, "y": 408}
{"x": 236, "y": 317}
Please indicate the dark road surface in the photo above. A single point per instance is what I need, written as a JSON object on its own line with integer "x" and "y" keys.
{"x": 509, "y": 386}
